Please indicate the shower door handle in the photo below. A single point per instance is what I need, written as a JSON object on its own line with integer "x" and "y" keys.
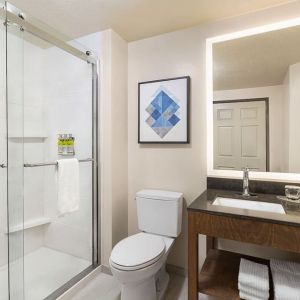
{"x": 2, "y": 166}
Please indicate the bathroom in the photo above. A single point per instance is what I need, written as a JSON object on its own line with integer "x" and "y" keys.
{"x": 85, "y": 78}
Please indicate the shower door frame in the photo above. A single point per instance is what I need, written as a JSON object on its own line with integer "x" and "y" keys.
{"x": 16, "y": 17}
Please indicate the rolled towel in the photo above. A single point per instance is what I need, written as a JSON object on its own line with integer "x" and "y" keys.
{"x": 286, "y": 280}
{"x": 255, "y": 277}
{"x": 250, "y": 292}
{"x": 285, "y": 266}
{"x": 246, "y": 296}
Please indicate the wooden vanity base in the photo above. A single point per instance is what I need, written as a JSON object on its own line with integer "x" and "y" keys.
{"x": 218, "y": 277}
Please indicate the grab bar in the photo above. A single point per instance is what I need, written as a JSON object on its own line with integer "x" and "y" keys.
{"x": 53, "y": 163}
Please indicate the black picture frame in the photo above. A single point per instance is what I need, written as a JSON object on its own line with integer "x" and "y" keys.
{"x": 188, "y": 83}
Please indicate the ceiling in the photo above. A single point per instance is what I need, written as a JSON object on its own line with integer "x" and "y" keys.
{"x": 135, "y": 19}
{"x": 255, "y": 61}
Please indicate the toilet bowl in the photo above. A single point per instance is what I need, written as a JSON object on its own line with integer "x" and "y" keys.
{"x": 138, "y": 263}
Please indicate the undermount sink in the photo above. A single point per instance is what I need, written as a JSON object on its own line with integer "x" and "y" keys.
{"x": 249, "y": 204}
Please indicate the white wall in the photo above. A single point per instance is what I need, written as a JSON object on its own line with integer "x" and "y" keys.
{"x": 169, "y": 167}
{"x": 113, "y": 141}
{"x": 119, "y": 55}
{"x": 276, "y": 105}
{"x": 174, "y": 167}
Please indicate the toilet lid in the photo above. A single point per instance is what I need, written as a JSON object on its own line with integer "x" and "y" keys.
{"x": 137, "y": 251}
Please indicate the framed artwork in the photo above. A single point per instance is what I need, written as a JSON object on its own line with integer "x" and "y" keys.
{"x": 163, "y": 111}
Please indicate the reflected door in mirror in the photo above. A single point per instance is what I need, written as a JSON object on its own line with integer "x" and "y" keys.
{"x": 240, "y": 135}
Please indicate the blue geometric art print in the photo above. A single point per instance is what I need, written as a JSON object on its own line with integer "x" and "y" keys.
{"x": 162, "y": 111}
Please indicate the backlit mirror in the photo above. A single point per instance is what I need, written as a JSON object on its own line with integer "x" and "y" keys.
{"x": 256, "y": 102}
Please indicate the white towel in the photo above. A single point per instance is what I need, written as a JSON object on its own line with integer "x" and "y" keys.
{"x": 68, "y": 185}
{"x": 246, "y": 296}
{"x": 286, "y": 278}
{"x": 250, "y": 292}
{"x": 255, "y": 277}
{"x": 285, "y": 266}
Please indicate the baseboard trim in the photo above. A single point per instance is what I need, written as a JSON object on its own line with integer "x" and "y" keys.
{"x": 176, "y": 270}
{"x": 106, "y": 270}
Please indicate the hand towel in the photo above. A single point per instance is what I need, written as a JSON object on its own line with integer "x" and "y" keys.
{"x": 286, "y": 280}
{"x": 250, "y": 292}
{"x": 68, "y": 185}
{"x": 246, "y": 296}
{"x": 255, "y": 276}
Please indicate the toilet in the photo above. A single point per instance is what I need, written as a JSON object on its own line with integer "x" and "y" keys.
{"x": 138, "y": 262}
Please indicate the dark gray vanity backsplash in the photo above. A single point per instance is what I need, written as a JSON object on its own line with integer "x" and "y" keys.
{"x": 256, "y": 186}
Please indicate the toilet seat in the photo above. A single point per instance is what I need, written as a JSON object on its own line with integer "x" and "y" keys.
{"x": 137, "y": 251}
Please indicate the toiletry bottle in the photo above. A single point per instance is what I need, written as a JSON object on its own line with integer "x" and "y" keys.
{"x": 70, "y": 148}
{"x": 65, "y": 144}
{"x": 68, "y": 144}
{"x": 59, "y": 144}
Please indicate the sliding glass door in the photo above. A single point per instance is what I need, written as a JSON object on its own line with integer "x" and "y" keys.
{"x": 3, "y": 162}
{"x": 11, "y": 159}
{"x": 48, "y": 114}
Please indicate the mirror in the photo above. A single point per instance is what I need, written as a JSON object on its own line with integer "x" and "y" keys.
{"x": 256, "y": 102}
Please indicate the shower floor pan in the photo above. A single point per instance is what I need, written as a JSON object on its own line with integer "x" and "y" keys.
{"x": 45, "y": 271}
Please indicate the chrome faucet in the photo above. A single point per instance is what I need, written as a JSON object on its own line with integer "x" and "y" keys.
{"x": 246, "y": 182}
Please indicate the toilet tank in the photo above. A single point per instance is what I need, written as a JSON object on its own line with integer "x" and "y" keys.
{"x": 159, "y": 212}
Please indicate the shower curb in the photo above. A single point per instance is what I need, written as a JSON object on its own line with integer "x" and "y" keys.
{"x": 81, "y": 284}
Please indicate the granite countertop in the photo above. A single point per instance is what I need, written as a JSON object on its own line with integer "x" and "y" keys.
{"x": 204, "y": 204}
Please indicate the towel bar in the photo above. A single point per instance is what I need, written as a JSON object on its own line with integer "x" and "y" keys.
{"x": 53, "y": 163}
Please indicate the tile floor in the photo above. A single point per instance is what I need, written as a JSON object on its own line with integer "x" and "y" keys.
{"x": 105, "y": 287}
{"x": 42, "y": 279}
{"x": 101, "y": 287}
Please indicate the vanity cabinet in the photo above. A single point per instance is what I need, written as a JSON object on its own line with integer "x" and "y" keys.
{"x": 219, "y": 274}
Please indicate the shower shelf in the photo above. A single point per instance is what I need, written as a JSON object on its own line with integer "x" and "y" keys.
{"x": 30, "y": 224}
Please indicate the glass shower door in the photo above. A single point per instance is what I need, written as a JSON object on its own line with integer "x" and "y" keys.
{"x": 11, "y": 159}
{"x": 3, "y": 162}
{"x": 48, "y": 89}
{"x": 15, "y": 158}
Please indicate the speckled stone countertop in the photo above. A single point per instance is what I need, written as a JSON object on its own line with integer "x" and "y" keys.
{"x": 204, "y": 204}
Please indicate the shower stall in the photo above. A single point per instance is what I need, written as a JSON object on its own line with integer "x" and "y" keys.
{"x": 48, "y": 88}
